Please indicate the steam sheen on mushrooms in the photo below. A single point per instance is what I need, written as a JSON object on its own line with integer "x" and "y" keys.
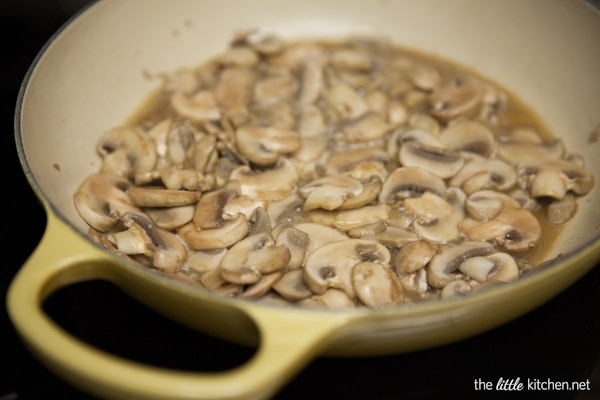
{"x": 331, "y": 174}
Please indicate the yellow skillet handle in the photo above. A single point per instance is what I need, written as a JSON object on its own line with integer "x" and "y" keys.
{"x": 288, "y": 341}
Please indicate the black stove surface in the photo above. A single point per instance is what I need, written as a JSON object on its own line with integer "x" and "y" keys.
{"x": 559, "y": 341}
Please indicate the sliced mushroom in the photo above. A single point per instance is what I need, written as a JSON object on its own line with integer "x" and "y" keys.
{"x": 229, "y": 233}
{"x": 347, "y": 102}
{"x": 102, "y": 198}
{"x": 214, "y": 282}
{"x": 274, "y": 183}
{"x": 291, "y": 286}
{"x": 166, "y": 250}
{"x": 153, "y": 196}
{"x": 171, "y": 218}
{"x": 198, "y": 107}
{"x": 295, "y": 240}
{"x": 376, "y": 285}
{"x": 554, "y": 178}
{"x": 369, "y": 126}
{"x": 260, "y": 288}
{"x": 407, "y": 182}
{"x": 345, "y": 220}
{"x": 324, "y": 268}
{"x": 319, "y": 235}
{"x": 235, "y": 86}
{"x": 442, "y": 162}
{"x": 202, "y": 261}
{"x": 265, "y": 145}
{"x": 516, "y": 230}
{"x": 515, "y": 151}
{"x": 331, "y": 299}
{"x": 346, "y": 161}
{"x": 457, "y": 288}
{"x": 560, "y": 211}
{"x": 485, "y": 205}
{"x": 251, "y": 258}
{"x": 479, "y": 173}
{"x": 435, "y": 218}
{"x": 329, "y": 192}
{"x": 133, "y": 147}
{"x": 412, "y": 257}
{"x": 469, "y": 136}
{"x": 460, "y": 97}
{"x": 285, "y": 209}
{"x": 443, "y": 267}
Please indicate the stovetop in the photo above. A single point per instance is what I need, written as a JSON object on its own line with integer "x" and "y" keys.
{"x": 560, "y": 341}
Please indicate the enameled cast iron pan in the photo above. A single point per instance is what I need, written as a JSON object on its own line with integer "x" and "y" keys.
{"x": 91, "y": 76}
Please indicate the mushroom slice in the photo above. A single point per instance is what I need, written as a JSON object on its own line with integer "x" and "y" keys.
{"x": 479, "y": 173}
{"x": 171, "y": 218}
{"x": 346, "y": 101}
{"x": 369, "y": 126}
{"x": 345, "y": 220}
{"x": 329, "y": 192}
{"x": 260, "y": 288}
{"x": 242, "y": 204}
{"x": 331, "y": 299}
{"x": 165, "y": 249}
{"x": 319, "y": 235}
{"x": 152, "y": 196}
{"x": 516, "y": 152}
{"x": 235, "y": 86}
{"x": 295, "y": 240}
{"x": 198, "y": 107}
{"x": 469, "y": 136}
{"x": 230, "y": 232}
{"x": 435, "y": 218}
{"x": 209, "y": 210}
{"x": 554, "y": 178}
{"x": 443, "y": 267}
{"x": 442, "y": 162}
{"x": 376, "y": 285}
{"x": 460, "y": 97}
{"x": 102, "y": 198}
{"x": 412, "y": 257}
{"x": 251, "y": 258}
{"x": 330, "y": 266}
{"x": 291, "y": 286}
{"x": 560, "y": 211}
{"x": 285, "y": 209}
{"x": 265, "y": 145}
{"x": 516, "y": 230}
{"x": 214, "y": 282}
{"x": 202, "y": 261}
{"x": 407, "y": 182}
{"x": 371, "y": 187}
{"x": 346, "y": 161}
{"x": 457, "y": 288}
{"x": 137, "y": 147}
{"x": 274, "y": 183}
{"x": 484, "y": 205}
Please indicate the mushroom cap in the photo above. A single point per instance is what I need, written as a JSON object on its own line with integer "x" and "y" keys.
{"x": 251, "y": 258}
{"x": 376, "y": 285}
{"x": 443, "y": 266}
{"x": 440, "y": 161}
{"x": 330, "y": 266}
{"x": 265, "y": 145}
{"x": 406, "y": 182}
{"x": 102, "y": 198}
{"x": 554, "y": 178}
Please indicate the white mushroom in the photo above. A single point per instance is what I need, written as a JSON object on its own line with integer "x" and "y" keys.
{"x": 412, "y": 257}
{"x": 274, "y": 183}
{"x": 376, "y": 285}
{"x": 102, "y": 198}
{"x": 330, "y": 266}
{"x": 291, "y": 286}
{"x": 265, "y": 145}
{"x": 251, "y": 258}
{"x": 443, "y": 267}
{"x": 407, "y": 182}
{"x": 442, "y": 162}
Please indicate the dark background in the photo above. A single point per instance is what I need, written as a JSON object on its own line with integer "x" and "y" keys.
{"x": 559, "y": 341}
